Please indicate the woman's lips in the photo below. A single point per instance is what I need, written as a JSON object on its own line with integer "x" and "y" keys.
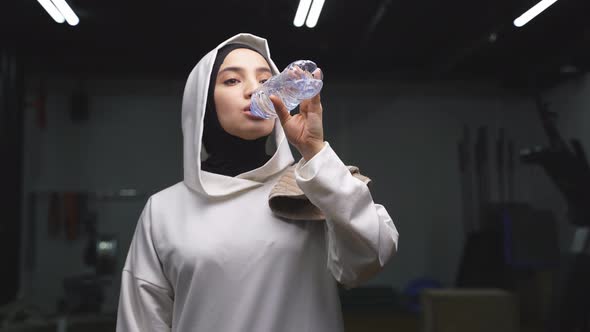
{"x": 249, "y": 114}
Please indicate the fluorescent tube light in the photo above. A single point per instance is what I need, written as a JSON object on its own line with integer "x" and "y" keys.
{"x": 52, "y": 11}
{"x": 534, "y": 11}
{"x": 314, "y": 13}
{"x": 301, "y": 13}
{"x": 67, "y": 12}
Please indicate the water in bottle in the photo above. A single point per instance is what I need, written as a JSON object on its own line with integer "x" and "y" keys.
{"x": 301, "y": 80}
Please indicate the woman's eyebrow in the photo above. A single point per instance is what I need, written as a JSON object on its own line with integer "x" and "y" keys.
{"x": 240, "y": 69}
{"x": 263, "y": 70}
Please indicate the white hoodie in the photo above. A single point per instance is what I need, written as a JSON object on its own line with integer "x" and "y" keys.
{"x": 208, "y": 254}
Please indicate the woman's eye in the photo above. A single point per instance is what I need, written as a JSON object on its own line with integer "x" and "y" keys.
{"x": 264, "y": 80}
{"x": 231, "y": 81}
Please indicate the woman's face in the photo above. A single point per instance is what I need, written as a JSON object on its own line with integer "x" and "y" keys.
{"x": 241, "y": 72}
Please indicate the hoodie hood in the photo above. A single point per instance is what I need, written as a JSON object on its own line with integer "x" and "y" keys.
{"x": 194, "y": 103}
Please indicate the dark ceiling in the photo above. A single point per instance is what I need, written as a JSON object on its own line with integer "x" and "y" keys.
{"x": 375, "y": 38}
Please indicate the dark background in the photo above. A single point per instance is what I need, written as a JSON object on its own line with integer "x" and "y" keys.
{"x": 95, "y": 109}
{"x": 448, "y": 39}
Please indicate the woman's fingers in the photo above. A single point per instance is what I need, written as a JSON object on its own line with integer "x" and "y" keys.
{"x": 281, "y": 109}
{"x": 314, "y": 104}
{"x": 316, "y": 100}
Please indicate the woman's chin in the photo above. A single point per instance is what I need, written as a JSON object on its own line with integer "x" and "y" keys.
{"x": 251, "y": 134}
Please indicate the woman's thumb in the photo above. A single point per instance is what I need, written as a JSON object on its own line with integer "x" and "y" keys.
{"x": 281, "y": 109}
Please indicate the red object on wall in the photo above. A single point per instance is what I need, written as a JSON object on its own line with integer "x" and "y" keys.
{"x": 39, "y": 105}
{"x": 71, "y": 215}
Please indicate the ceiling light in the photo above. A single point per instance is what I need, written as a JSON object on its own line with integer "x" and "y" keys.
{"x": 52, "y": 11}
{"x": 314, "y": 13}
{"x": 301, "y": 13}
{"x": 67, "y": 12}
{"x": 534, "y": 11}
{"x": 493, "y": 37}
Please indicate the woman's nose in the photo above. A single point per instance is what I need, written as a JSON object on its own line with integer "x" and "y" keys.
{"x": 251, "y": 87}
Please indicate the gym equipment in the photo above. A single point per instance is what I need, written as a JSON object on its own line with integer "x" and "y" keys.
{"x": 569, "y": 170}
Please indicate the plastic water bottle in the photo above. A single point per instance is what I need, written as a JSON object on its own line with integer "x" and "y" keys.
{"x": 301, "y": 80}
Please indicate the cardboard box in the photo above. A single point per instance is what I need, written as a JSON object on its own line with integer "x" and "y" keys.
{"x": 469, "y": 310}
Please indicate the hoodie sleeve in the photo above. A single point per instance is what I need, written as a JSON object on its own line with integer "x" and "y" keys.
{"x": 146, "y": 298}
{"x": 361, "y": 237}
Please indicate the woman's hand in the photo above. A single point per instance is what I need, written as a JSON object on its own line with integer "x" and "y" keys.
{"x": 304, "y": 130}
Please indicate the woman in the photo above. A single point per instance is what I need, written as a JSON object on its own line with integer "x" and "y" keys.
{"x": 209, "y": 254}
